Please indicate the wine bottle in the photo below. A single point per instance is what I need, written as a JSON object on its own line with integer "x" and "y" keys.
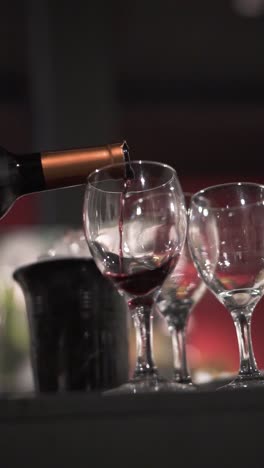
{"x": 29, "y": 173}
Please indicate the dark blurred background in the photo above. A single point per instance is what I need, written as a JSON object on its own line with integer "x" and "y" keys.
{"x": 183, "y": 82}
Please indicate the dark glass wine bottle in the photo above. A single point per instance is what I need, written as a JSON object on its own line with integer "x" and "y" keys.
{"x": 28, "y": 173}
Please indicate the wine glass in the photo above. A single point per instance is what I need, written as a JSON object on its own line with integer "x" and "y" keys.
{"x": 135, "y": 228}
{"x": 180, "y": 293}
{"x": 226, "y": 239}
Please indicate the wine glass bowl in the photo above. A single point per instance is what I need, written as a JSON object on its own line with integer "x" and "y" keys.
{"x": 135, "y": 224}
{"x": 226, "y": 238}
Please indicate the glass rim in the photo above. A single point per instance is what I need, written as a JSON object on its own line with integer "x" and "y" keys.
{"x": 137, "y": 162}
{"x": 203, "y": 192}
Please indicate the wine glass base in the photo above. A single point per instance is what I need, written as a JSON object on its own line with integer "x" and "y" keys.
{"x": 146, "y": 385}
{"x": 244, "y": 383}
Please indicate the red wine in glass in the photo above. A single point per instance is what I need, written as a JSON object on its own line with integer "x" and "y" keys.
{"x": 143, "y": 281}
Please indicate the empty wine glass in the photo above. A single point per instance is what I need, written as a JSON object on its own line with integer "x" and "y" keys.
{"x": 226, "y": 239}
{"x": 179, "y": 294}
{"x": 135, "y": 229}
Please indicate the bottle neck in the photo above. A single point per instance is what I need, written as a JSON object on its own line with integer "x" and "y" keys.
{"x": 24, "y": 174}
{"x": 43, "y": 171}
{"x": 72, "y": 167}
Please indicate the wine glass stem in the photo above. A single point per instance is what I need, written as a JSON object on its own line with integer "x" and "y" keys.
{"x": 143, "y": 325}
{"x": 242, "y": 320}
{"x": 181, "y": 371}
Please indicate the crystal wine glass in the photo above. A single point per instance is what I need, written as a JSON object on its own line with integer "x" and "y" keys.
{"x": 226, "y": 239}
{"x": 180, "y": 293}
{"x": 135, "y": 228}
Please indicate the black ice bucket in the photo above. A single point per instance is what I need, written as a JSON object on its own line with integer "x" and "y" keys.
{"x": 78, "y": 326}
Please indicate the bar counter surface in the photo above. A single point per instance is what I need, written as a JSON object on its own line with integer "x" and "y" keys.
{"x": 195, "y": 429}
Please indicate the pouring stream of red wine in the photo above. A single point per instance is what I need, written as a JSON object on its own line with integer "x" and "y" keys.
{"x": 129, "y": 175}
